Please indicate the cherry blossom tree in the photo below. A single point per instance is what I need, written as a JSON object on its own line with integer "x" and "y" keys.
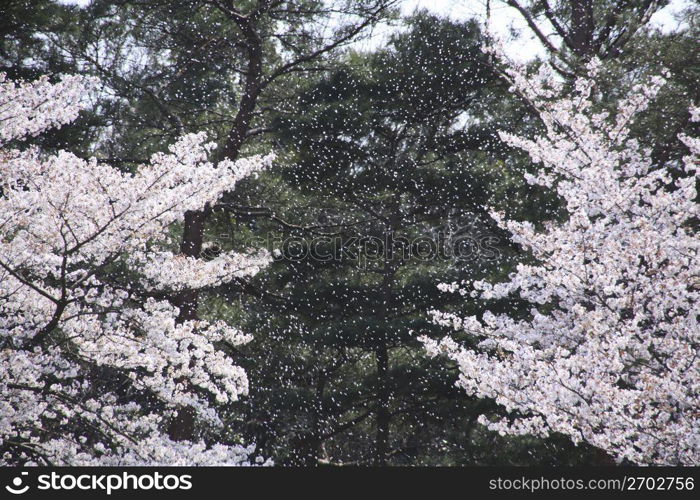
{"x": 93, "y": 361}
{"x": 609, "y": 352}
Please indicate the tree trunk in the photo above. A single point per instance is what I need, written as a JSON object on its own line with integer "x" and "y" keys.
{"x": 191, "y": 246}
{"x": 382, "y": 438}
{"x": 182, "y": 427}
{"x": 382, "y": 356}
{"x": 582, "y": 28}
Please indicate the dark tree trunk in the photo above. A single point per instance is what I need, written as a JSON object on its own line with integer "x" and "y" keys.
{"x": 190, "y": 246}
{"x": 383, "y": 417}
{"x": 582, "y": 28}
{"x": 182, "y": 427}
{"x": 382, "y": 356}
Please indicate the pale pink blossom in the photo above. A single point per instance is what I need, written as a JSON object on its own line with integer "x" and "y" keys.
{"x": 609, "y": 353}
{"x": 91, "y": 370}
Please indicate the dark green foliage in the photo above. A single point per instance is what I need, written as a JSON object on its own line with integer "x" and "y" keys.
{"x": 394, "y": 145}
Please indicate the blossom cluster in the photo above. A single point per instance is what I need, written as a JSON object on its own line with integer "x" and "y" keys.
{"x": 28, "y": 108}
{"x": 94, "y": 363}
{"x": 608, "y": 354}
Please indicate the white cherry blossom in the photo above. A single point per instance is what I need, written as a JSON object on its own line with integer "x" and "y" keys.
{"x": 93, "y": 370}
{"x": 609, "y": 352}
